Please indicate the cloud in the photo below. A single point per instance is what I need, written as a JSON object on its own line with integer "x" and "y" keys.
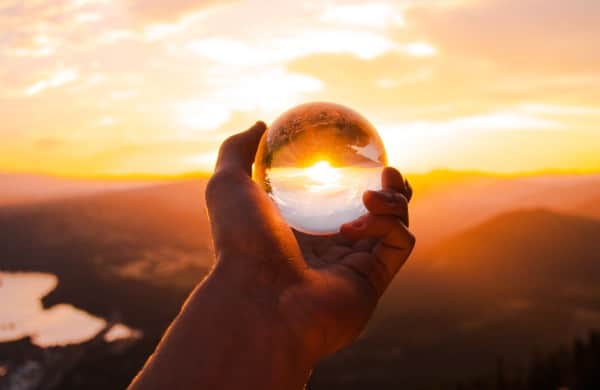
{"x": 160, "y": 11}
{"x": 203, "y": 160}
{"x": 40, "y": 46}
{"x": 46, "y": 28}
{"x": 501, "y": 120}
{"x": 290, "y": 46}
{"x": 106, "y": 121}
{"x": 479, "y": 141}
{"x": 59, "y": 78}
{"x": 375, "y": 15}
{"x": 419, "y": 49}
{"x": 267, "y": 91}
{"x": 506, "y": 120}
{"x": 533, "y": 35}
{"x": 201, "y": 114}
{"x": 194, "y": 72}
{"x": 397, "y": 87}
{"x": 554, "y": 109}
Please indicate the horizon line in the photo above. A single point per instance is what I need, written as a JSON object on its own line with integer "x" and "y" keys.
{"x": 148, "y": 176}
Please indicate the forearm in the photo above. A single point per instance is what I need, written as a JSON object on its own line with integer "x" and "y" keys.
{"x": 224, "y": 339}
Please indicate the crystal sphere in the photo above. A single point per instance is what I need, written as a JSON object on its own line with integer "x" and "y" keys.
{"x": 315, "y": 161}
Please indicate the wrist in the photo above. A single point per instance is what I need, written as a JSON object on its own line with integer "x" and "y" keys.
{"x": 265, "y": 349}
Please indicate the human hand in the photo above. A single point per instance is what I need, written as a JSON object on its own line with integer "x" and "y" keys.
{"x": 318, "y": 291}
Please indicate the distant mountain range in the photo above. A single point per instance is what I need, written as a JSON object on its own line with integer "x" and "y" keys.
{"x": 520, "y": 282}
{"x": 449, "y": 205}
{"x": 20, "y": 188}
{"x": 493, "y": 251}
{"x": 503, "y": 266}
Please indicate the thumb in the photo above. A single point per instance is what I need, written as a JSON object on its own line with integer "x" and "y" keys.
{"x": 244, "y": 220}
{"x": 237, "y": 152}
{"x": 230, "y": 183}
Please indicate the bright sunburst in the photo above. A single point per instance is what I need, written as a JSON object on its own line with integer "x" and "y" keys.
{"x": 322, "y": 174}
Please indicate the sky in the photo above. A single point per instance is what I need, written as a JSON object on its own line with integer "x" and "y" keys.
{"x": 99, "y": 87}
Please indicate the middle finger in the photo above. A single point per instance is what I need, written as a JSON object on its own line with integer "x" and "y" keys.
{"x": 391, "y": 203}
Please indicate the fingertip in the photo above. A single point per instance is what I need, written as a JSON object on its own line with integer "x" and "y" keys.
{"x": 238, "y": 151}
{"x": 392, "y": 174}
{"x": 409, "y": 190}
{"x": 257, "y": 129}
{"x": 368, "y": 196}
{"x": 259, "y": 126}
{"x": 390, "y": 170}
{"x": 392, "y": 179}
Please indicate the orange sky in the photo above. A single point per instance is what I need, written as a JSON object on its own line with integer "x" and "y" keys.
{"x": 92, "y": 87}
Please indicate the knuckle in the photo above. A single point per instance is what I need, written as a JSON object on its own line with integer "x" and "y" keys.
{"x": 412, "y": 239}
{"x": 213, "y": 186}
{"x": 228, "y": 144}
{"x": 409, "y": 191}
{"x": 220, "y": 181}
{"x": 401, "y": 199}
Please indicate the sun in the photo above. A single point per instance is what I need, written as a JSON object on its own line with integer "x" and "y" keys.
{"x": 322, "y": 173}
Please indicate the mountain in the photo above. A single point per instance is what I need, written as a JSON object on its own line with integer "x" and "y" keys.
{"x": 522, "y": 280}
{"x": 128, "y": 256}
{"x": 20, "y": 188}
{"x": 144, "y": 233}
{"x": 589, "y": 207}
{"x": 492, "y": 277}
{"x": 524, "y": 249}
{"x": 444, "y": 207}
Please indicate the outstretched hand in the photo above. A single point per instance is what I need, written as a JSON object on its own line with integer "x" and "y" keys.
{"x": 320, "y": 290}
{"x": 277, "y": 301}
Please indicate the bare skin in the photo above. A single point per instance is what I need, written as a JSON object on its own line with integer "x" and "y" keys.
{"x": 276, "y": 300}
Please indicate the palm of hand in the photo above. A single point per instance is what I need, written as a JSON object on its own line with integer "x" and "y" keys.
{"x": 340, "y": 295}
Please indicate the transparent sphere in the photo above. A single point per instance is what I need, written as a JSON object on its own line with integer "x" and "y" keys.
{"x": 315, "y": 161}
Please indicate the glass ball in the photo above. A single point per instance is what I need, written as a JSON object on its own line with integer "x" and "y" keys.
{"x": 315, "y": 161}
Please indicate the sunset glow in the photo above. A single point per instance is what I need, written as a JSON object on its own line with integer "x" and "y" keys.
{"x": 322, "y": 176}
{"x": 100, "y": 87}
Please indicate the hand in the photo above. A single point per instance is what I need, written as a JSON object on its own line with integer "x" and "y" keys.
{"x": 316, "y": 293}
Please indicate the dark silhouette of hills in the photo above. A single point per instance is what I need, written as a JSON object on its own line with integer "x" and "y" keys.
{"x": 576, "y": 367}
{"x": 130, "y": 256}
{"x": 494, "y": 279}
{"x": 22, "y": 188}
{"x": 446, "y": 203}
{"x": 589, "y": 207}
{"x": 524, "y": 250}
{"x": 154, "y": 236}
{"x": 521, "y": 281}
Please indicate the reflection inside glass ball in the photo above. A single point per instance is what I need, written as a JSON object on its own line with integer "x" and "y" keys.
{"x": 315, "y": 161}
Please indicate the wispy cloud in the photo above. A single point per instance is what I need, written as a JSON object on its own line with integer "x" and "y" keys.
{"x": 374, "y": 15}
{"x": 59, "y": 78}
{"x": 106, "y": 75}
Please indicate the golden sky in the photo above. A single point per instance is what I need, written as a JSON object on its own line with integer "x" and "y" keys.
{"x": 92, "y": 87}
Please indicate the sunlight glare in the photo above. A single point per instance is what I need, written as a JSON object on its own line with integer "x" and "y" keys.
{"x": 323, "y": 176}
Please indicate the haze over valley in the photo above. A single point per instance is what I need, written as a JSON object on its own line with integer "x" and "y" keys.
{"x": 504, "y": 266}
